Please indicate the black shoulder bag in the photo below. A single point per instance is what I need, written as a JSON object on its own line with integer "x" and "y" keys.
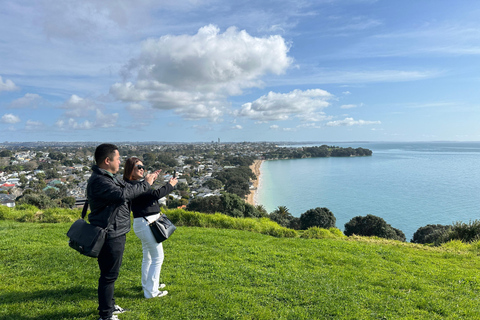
{"x": 87, "y": 238}
{"x": 162, "y": 228}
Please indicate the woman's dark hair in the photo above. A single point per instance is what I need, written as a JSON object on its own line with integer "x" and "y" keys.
{"x": 129, "y": 166}
{"x": 104, "y": 151}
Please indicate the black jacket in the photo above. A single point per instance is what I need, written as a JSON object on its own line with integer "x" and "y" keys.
{"x": 147, "y": 204}
{"x": 106, "y": 194}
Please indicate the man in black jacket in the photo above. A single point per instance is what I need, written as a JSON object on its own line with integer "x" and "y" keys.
{"x": 108, "y": 196}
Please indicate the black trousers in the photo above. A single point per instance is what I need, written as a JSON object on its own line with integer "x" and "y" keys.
{"x": 109, "y": 261}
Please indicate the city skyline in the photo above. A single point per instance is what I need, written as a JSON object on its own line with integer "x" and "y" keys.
{"x": 198, "y": 71}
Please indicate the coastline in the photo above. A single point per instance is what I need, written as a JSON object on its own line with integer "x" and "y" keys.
{"x": 255, "y": 167}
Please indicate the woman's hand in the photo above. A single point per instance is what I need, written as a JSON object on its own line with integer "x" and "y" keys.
{"x": 173, "y": 181}
{"x": 151, "y": 177}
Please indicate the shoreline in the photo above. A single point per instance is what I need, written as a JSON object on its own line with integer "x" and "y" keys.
{"x": 255, "y": 167}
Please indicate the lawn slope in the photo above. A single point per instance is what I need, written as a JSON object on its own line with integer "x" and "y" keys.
{"x": 233, "y": 274}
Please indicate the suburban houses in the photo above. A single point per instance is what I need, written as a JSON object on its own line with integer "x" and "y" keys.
{"x": 66, "y": 169}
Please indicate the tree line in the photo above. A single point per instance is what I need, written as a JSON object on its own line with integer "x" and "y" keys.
{"x": 316, "y": 152}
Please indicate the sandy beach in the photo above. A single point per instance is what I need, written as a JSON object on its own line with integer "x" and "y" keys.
{"x": 256, "y": 170}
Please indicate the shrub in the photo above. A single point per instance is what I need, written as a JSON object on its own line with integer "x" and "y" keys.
{"x": 281, "y": 215}
{"x": 318, "y": 217}
{"x": 371, "y": 225}
{"x": 466, "y": 232}
{"x": 320, "y": 233}
{"x": 431, "y": 233}
{"x": 4, "y": 212}
{"x": 181, "y": 217}
{"x": 38, "y": 200}
{"x": 227, "y": 203}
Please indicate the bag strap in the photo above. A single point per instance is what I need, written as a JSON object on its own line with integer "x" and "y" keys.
{"x": 85, "y": 207}
{"x": 110, "y": 219}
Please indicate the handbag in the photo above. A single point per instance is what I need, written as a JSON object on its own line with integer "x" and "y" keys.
{"x": 87, "y": 238}
{"x": 162, "y": 228}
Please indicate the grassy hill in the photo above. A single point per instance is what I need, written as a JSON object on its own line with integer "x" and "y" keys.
{"x": 216, "y": 273}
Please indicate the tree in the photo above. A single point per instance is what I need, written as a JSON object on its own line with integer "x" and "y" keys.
{"x": 6, "y": 153}
{"x": 431, "y": 233}
{"x": 281, "y": 216}
{"x": 39, "y": 200}
{"x": 68, "y": 202}
{"x": 238, "y": 185}
{"x": 318, "y": 217}
{"x": 213, "y": 184}
{"x": 23, "y": 180}
{"x": 371, "y": 225}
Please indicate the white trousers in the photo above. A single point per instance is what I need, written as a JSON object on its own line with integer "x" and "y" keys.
{"x": 152, "y": 256}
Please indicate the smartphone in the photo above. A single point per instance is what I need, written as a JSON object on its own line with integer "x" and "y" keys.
{"x": 174, "y": 173}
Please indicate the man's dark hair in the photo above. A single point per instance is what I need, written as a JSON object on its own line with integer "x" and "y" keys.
{"x": 104, "y": 151}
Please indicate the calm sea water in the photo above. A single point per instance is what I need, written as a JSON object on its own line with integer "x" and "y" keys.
{"x": 409, "y": 185}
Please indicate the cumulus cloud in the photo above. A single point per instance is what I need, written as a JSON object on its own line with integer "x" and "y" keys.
{"x": 281, "y": 106}
{"x": 350, "y": 122}
{"x": 194, "y": 75}
{"x": 10, "y": 118}
{"x": 7, "y": 85}
{"x": 29, "y": 100}
{"x": 105, "y": 120}
{"x": 77, "y": 107}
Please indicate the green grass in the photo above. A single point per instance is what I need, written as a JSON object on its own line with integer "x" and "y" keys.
{"x": 237, "y": 274}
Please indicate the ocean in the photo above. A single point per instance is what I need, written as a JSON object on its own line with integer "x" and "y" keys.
{"x": 409, "y": 185}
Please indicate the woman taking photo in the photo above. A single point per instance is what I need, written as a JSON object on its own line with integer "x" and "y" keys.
{"x": 146, "y": 209}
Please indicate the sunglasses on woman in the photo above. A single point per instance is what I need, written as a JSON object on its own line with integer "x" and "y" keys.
{"x": 140, "y": 167}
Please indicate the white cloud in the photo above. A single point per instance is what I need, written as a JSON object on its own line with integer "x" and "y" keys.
{"x": 29, "y": 100}
{"x": 309, "y": 125}
{"x": 346, "y": 93}
{"x": 7, "y": 85}
{"x": 78, "y": 107}
{"x": 350, "y": 122}
{"x": 90, "y": 19}
{"x": 10, "y": 118}
{"x": 281, "y": 106}
{"x": 105, "y": 120}
{"x": 195, "y": 74}
{"x": 70, "y": 124}
{"x": 32, "y": 125}
{"x": 276, "y": 127}
{"x": 237, "y": 127}
{"x": 136, "y": 107}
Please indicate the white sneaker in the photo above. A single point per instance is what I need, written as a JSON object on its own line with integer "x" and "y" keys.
{"x": 162, "y": 285}
{"x": 161, "y": 294}
{"x": 117, "y": 309}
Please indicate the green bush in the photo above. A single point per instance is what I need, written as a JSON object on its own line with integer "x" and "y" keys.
{"x": 181, "y": 217}
{"x": 318, "y": 217}
{"x": 371, "y": 225}
{"x": 431, "y": 233}
{"x": 320, "y": 233}
{"x": 4, "y": 212}
{"x": 466, "y": 232}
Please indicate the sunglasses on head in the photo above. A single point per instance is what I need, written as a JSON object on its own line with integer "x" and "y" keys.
{"x": 140, "y": 167}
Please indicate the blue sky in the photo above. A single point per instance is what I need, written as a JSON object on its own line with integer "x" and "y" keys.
{"x": 202, "y": 70}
